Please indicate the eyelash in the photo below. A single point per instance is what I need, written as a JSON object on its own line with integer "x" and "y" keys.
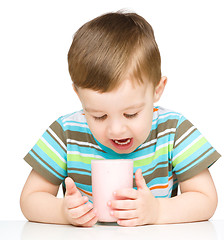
{"x": 100, "y": 118}
{"x": 129, "y": 116}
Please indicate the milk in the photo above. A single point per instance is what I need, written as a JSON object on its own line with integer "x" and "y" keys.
{"x": 107, "y": 177}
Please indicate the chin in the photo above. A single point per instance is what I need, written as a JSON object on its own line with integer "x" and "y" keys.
{"x": 126, "y": 151}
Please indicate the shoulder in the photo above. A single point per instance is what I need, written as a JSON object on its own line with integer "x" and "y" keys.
{"x": 162, "y": 112}
{"x": 70, "y": 124}
{"x": 165, "y": 116}
{"x": 78, "y": 116}
{"x": 75, "y": 119}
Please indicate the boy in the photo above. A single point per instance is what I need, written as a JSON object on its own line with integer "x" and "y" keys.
{"x": 115, "y": 66}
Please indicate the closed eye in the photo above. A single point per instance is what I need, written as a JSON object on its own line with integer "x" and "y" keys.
{"x": 100, "y": 118}
{"x": 130, "y": 115}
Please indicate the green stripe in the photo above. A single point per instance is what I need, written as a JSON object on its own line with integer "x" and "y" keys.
{"x": 190, "y": 151}
{"x": 162, "y": 151}
{"x": 79, "y": 158}
{"x": 51, "y": 154}
{"x": 43, "y": 171}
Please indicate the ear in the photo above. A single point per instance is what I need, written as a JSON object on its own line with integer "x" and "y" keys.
{"x": 159, "y": 89}
{"x": 75, "y": 89}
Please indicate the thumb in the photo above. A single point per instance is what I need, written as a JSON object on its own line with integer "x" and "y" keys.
{"x": 139, "y": 179}
{"x": 71, "y": 188}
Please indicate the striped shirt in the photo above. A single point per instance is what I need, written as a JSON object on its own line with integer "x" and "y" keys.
{"x": 173, "y": 152}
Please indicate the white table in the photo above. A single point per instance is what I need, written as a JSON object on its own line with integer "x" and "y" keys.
{"x": 209, "y": 230}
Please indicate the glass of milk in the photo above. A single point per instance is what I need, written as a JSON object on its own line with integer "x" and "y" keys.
{"x": 107, "y": 177}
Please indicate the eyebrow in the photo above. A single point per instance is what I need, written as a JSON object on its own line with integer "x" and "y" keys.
{"x": 139, "y": 105}
{"x": 92, "y": 110}
{"x": 125, "y": 109}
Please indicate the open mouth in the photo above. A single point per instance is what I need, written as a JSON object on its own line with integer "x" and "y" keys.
{"x": 122, "y": 143}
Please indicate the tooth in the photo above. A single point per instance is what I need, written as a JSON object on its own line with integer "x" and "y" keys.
{"x": 122, "y": 143}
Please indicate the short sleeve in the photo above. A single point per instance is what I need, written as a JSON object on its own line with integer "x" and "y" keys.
{"x": 48, "y": 157}
{"x": 192, "y": 153}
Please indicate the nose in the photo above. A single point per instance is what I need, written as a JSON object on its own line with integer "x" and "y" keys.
{"x": 116, "y": 129}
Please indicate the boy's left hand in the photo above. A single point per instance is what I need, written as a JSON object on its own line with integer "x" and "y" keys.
{"x": 140, "y": 207}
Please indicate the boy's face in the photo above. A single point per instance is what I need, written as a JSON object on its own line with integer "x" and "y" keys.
{"x": 121, "y": 119}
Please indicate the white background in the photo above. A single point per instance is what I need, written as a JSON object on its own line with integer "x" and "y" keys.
{"x": 35, "y": 87}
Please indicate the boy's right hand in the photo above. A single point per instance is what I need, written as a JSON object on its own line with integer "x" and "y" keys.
{"x": 77, "y": 210}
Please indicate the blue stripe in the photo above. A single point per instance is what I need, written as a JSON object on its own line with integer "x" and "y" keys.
{"x": 159, "y": 121}
{"x": 77, "y": 129}
{"x": 85, "y": 187}
{"x": 79, "y": 172}
{"x": 158, "y": 181}
{"x": 152, "y": 165}
{"x": 72, "y": 122}
{"x": 190, "y": 159}
{"x": 133, "y": 155}
{"x": 161, "y": 116}
{"x": 83, "y": 149}
{"x": 55, "y": 145}
{"x": 160, "y": 141}
{"x": 50, "y": 161}
{"x": 79, "y": 165}
{"x": 46, "y": 167}
{"x": 186, "y": 142}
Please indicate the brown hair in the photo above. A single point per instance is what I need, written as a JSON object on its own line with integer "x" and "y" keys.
{"x": 111, "y": 47}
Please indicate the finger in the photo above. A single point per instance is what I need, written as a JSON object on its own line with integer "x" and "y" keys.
{"x": 73, "y": 201}
{"x": 81, "y": 210}
{"x": 139, "y": 179}
{"x": 130, "y": 214}
{"x": 123, "y": 204}
{"x": 126, "y": 193}
{"x": 87, "y": 218}
{"x": 92, "y": 222}
{"x": 71, "y": 188}
{"x": 128, "y": 223}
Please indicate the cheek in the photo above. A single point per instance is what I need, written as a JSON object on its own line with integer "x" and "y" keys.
{"x": 144, "y": 125}
{"x": 96, "y": 129}
{"x": 98, "y": 133}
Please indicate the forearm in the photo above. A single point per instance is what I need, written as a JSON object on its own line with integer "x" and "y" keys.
{"x": 186, "y": 207}
{"x": 43, "y": 207}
